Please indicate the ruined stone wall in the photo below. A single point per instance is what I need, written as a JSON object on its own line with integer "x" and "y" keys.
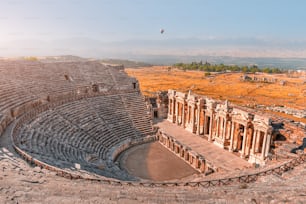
{"x": 158, "y": 105}
{"x": 293, "y": 133}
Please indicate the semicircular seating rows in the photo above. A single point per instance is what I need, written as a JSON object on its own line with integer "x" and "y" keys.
{"x": 60, "y": 119}
{"x": 80, "y": 133}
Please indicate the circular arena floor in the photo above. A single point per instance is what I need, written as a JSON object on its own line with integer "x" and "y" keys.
{"x": 152, "y": 161}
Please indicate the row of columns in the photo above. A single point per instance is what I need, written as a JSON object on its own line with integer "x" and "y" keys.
{"x": 216, "y": 123}
{"x": 255, "y": 145}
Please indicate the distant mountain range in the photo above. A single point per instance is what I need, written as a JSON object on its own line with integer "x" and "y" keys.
{"x": 150, "y": 60}
{"x": 286, "y": 54}
{"x": 126, "y": 63}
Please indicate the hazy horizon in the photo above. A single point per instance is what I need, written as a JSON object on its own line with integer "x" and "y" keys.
{"x": 123, "y": 29}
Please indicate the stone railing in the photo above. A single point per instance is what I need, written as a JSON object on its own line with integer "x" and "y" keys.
{"x": 31, "y": 160}
{"x": 195, "y": 160}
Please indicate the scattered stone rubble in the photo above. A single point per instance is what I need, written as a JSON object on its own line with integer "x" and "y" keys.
{"x": 290, "y": 111}
{"x": 259, "y": 78}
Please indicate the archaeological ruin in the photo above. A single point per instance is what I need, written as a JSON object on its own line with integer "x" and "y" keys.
{"x": 76, "y": 118}
{"x": 231, "y": 128}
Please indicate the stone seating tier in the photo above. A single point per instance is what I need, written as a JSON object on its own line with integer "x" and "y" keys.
{"x": 22, "y": 81}
{"x": 85, "y": 130}
{"x": 74, "y": 111}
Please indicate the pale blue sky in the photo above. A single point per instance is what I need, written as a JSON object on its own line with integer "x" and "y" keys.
{"x": 218, "y": 27}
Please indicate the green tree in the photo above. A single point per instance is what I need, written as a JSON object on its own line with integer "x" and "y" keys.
{"x": 245, "y": 69}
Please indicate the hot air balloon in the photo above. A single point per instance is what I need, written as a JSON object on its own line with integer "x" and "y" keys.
{"x": 162, "y": 31}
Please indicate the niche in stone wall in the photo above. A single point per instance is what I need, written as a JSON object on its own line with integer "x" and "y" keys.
{"x": 155, "y": 114}
{"x": 240, "y": 136}
{"x": 68, "y": 78}
{"x": 95, "y": 87}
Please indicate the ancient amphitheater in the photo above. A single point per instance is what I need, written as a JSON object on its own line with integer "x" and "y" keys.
{"x": 65, "y": 127}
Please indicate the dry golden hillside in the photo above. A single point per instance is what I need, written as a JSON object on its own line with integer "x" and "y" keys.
{"x": 224, "y": 86}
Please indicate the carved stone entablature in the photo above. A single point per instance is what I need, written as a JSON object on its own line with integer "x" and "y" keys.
{"x": 192, "y": 98}
{"x": 180, "y": 95}
{"x": 239, "y": 116}
{"x": 171, "y": 93}
{"x": 210, "y": 104}
{"x": 262, "y": 123}
{"x": 222, "y": 110}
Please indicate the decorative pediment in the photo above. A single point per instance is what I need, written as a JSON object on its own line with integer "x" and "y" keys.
{"x": 262, "y": 123}
{"x": 210, "y": 104}
{"x": 222, "y": 109}
{"x": 171, "y": 93}
{"x": 180, "y": 95}
{"x": 238, "y": 115}
{"x": 191, "y": 97}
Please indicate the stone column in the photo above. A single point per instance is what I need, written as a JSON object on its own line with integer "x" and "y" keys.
{"x": 170, "y": 108}
{"x": 232, "y": 136}
{"x": 227, "y": 128}
{"x": 205, "y": 123}
{"x": 176, "y": 112}
{"x": 264, "y": 147}
{"x": 173, "y": 111}
{"x": 198, "y": 119}
{"x": 223, "y": 128}
{"x": 183, "y": 114}
{"x": 268, "y": 144}
{"x": 254, "y": 142}
{"x": 257, "y": 141}
{"x": 210, "y": 128}
{"x": 188, "y": 115}
{"x": 180, "y": 116}
{"x": 192, "y": 118}
{"x": 218, "y": 127}
{"x": 202, "y": 121}
{"x": 244, "y": 139}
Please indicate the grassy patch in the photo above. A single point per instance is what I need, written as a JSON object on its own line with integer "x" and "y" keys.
{"x": 226, "y": 86}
